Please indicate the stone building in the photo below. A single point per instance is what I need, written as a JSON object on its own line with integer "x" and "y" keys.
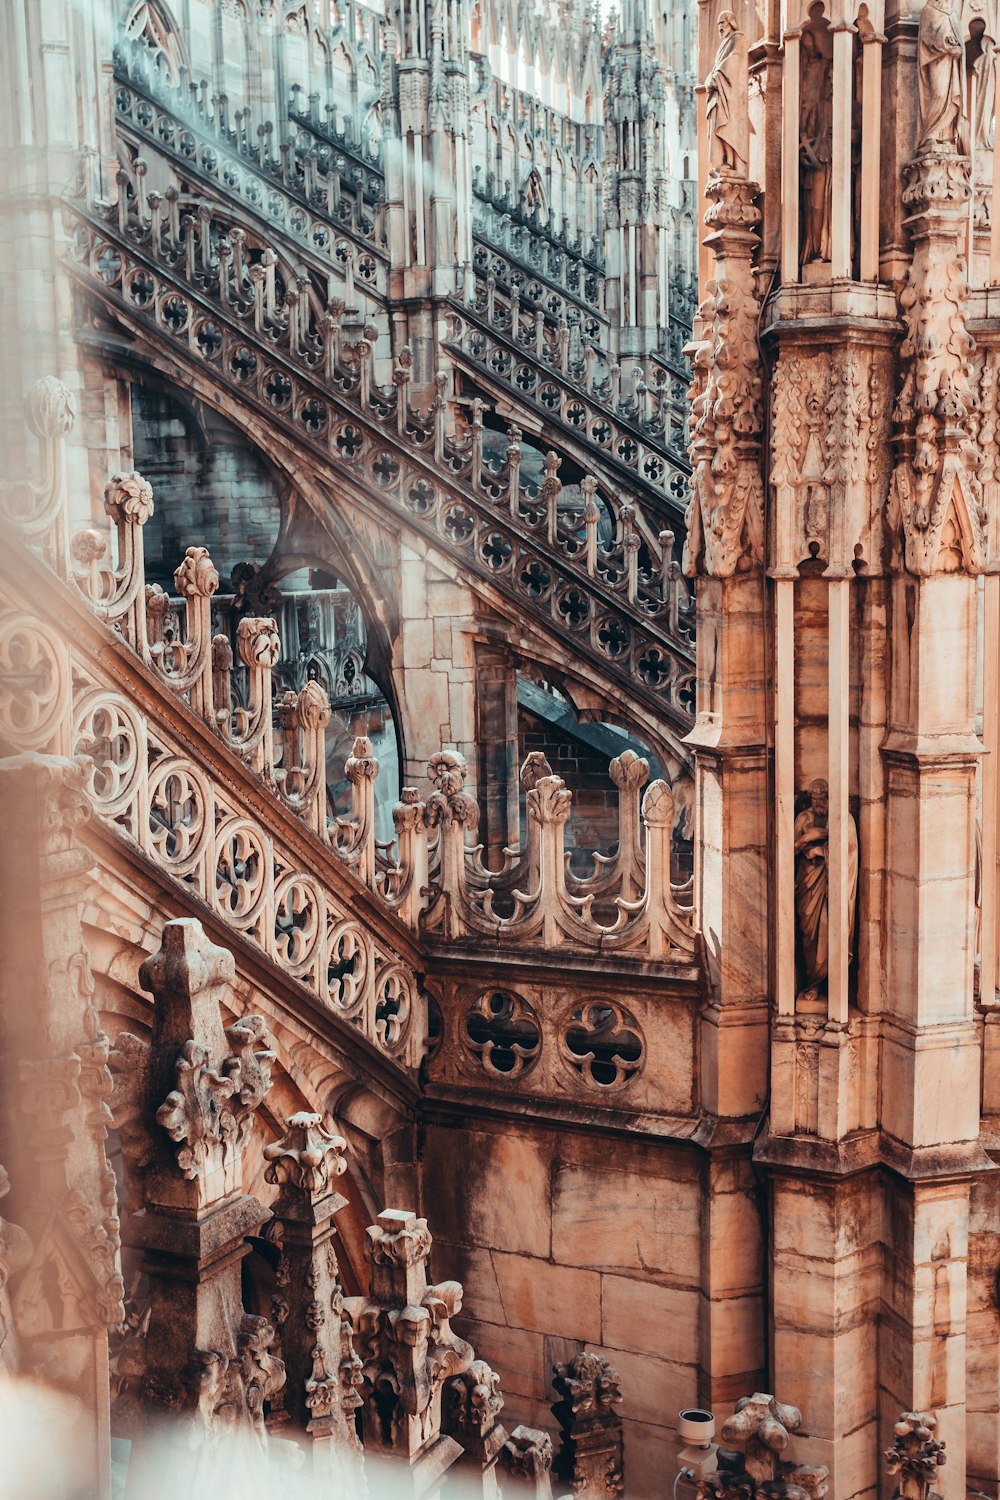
{"x": 499, "y": 704}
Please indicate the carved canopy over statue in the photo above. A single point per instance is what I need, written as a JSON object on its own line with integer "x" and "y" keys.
{"x": 941, "y": 102}
{"x": 727, "y": 109}
{"x": 812, "y": 886}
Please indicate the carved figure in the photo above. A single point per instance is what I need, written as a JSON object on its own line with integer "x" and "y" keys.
{"x": 726, "y": 87}
{"x": 940, "y": 79}
{"x": 812, "y": 885}
{"x": 980, "y": 22}
{"x": 816, "y": 141}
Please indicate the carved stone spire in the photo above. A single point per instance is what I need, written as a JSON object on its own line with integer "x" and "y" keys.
{"x": 321, "y": 1366}
{"x": 407, "y": 1345}
{"x": 591, "y": 1458}
{"x": 185, "y": 1104}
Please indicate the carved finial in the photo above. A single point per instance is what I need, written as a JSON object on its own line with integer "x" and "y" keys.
{"x": 916, "y": 1456}
{"x": 629, "y": 770}
{"x": 362, "y": 763}
{"x": 314, "y": 706}
{"x": 399, "y": 1238}
{"x": 587, "y": 1385}
{"x": 448, "y": 771}
{"x": 197, "y": 574}
{"x": 527, "y": 1455}
{"x": 128, "y": 497}
{"x": 763, "y": 1425}
{"x": 49, "y": 408}
{"x": 549, "y": 800}
{"x": 533, "y": 768}
{"x": 658, "y": 805}
{"x": 473, "y": 1401}
{"x": 220, "y": 1076}
{"x": 258, "y": 641}
{"x": 308, "y": 1156}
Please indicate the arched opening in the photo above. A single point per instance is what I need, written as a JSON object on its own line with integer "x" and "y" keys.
{"x": 212, "y": 488}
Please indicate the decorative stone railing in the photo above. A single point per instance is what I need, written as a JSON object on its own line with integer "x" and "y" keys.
{"x": 157, "y": 792}
{"x": 328, "y": 203}
{"x": 160, "y": 790}
{"x": 258, "y": 331}
{"x": 322, "y": 122}
{"x": 640, "y": 429}
{"x": 539, "y": 255}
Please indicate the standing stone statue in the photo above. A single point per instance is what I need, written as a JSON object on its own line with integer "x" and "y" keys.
{"x": 727, "y": 87}
{"x": 816, "y": 145}
{"x": 812, "y": 886}
{"x": 940, "y": 79}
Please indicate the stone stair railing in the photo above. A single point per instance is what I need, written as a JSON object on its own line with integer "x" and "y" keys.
{"x": 301, "y": 191}
{"x": 258, "y": 331}
{"x": 498, "y": 227}
{"x": 639, "y": 431}
{"x": 191, "y": 817}
{"x": 320, "y": 197}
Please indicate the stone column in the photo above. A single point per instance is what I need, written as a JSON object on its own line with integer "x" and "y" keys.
{"x": 724, "y": 551}
{"x": 930, "y": 1055}
{"x": 54, "y": 1090}
{"x": 185, "y": 1102}
{"x": 496, "y": 734}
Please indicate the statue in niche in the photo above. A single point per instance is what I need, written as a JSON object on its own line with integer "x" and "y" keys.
{"x": 812, "y": 886}
{"x": 941, "y": 125}
{"x": 816, "y": 139}
{"x": 979, "y": 21}
{"x": 727, "y": 109}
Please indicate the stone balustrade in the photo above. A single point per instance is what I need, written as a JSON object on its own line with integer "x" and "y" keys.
{"x": 262, "y": 328}
{"x": 193, "y": 820}
{"x": 318, "y": 192}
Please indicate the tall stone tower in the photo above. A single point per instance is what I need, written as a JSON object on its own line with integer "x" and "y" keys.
{"x": 844, "y": 533}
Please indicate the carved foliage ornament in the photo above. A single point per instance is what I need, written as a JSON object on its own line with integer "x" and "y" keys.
{"x": 725, "y": 515}
{"x": 935, "y": 503}
{"x": 212, "y": 1109}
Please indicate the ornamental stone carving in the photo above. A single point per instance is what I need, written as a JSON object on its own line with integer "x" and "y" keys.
{"x": 725, "y": 514}
{"x": 812, "y": 885}
{"x": 935, "y": 508}
{"x": 591, "y": 1458}
{"x": 128, "y": 497}
{"x": 219, "y": 1077}
{"x": 307, "y": 1157}
{"x": 915, "y": 1457}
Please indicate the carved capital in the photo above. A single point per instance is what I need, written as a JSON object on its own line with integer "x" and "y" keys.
{"x": 307, "y": 1158}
